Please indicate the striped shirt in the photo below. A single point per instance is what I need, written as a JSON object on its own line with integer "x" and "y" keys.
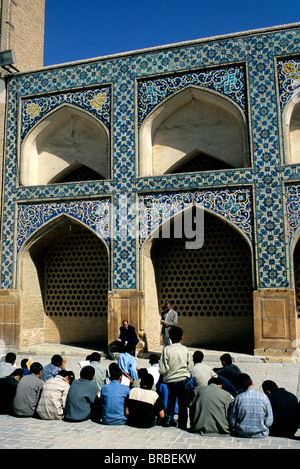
{"x": 53, "y": 398}
{"x": 251, "y": 414}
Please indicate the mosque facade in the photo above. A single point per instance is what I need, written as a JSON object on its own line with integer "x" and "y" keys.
{"x": 165, "y": 173}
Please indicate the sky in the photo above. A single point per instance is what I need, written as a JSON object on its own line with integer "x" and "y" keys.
{"x": 78, "y": 30}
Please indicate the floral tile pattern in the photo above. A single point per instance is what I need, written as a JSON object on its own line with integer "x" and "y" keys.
{"x": 258, "y": 70}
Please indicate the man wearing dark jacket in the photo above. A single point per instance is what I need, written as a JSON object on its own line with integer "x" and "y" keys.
{"x": 127, "y": 339}
{"x": 8, "y": 388}
{"x": 285, "y": 407}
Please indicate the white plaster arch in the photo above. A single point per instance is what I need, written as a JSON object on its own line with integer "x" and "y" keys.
{"x": 291, "y": 129}
{"x": 193, "y": 120}
{"x": 62, "y": 141}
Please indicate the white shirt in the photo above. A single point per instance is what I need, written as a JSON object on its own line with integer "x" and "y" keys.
{"x": 202, "y": 374}
{"x": 154, "y": 371}
{"x": 6, "y": 369}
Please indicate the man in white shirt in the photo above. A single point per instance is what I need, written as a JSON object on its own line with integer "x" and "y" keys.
{"x": 9, "y": 365}
{"x": 154, "y": 368}
{"x": 201, "y": 373}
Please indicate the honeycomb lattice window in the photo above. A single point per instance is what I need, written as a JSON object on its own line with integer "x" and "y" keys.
{"x": 215, "y": 280}
{"x": 76, "y": 277}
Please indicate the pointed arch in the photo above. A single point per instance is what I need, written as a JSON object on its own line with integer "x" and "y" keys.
{"x": 291, "y": 129}
{"x": 193, "y": 120}
{"x": 212, "y": 287}
{"x": 65, "y": 139}
{"x": 63, "y": 271}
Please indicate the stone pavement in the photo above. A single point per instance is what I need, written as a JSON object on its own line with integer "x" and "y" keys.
{"x": 173, "y": 443}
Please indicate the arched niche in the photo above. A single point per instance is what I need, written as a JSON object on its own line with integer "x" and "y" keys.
{"x": 193, "y": 121}
{"x": 63, "y": 273}
{"x": 64, "y": 141}
{"x": 211, "y": 287}
{"x": 291, "y": 130}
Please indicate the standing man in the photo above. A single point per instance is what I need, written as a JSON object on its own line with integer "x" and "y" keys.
{"x": 169, "y": 319}
{"x": 175, "y": 366}
{"x": 127, "y": 339}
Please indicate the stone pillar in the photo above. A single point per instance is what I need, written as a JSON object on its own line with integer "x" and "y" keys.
{"x": 10, "y": 304}
{"x": 275, "y": 323}
{"x": 125, "y": 304}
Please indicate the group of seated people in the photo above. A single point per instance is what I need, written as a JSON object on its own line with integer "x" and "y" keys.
{"x": 219, "y": 401}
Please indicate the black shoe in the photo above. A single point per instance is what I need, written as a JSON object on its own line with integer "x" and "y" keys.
{"x": 165, "y": 422}
{"x": 173, "y": 422}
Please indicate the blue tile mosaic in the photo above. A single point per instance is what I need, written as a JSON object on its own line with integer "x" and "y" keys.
{"x": 258, "y": 70}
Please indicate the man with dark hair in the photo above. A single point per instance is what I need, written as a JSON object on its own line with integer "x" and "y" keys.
{"x": 53, "y": 396}
{"x": 286, "y": 411}
{"x": 175, "y": 366}
{"x": 81, "y": 397}
{"x": 100, "y": 371}
{"x": 251, "y": 412}
{"x": 209, "y": 409}
{"x": 53, "y": 368}
{"x": 28, "y": 392}
{"x": 127, "y": 339}
{"x": 229, "y": 370}
{"x": 9, "y": 365}
{"x": 112, "y": 399}
{"x": 153, "y": 369}
{"x": 201, "y": 372}
{"x": 8, "y": 388}
{"x": 143, "y": 405}
{"x": 169, "y": 319}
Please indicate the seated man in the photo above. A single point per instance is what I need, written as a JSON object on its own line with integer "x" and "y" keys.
{"x": 127, "y": 340}
{"x": 127, "y": 363}
{"x": 53, "y": 368}
{"x": 9, "y": 365}
{"x": 209, "y": 409}
{"x": 112, "y": 399}
{"x": 81, "y": 396}
{"x": 8, "y": 388}
{"x": 28, "y": 392}
{"x": 285, "y": 407}
{"x": 154, "y": 367}
{"x": 251, "y": 413}
{"x": 100, "y": 371}
{"x": 229, "y": 370}
{"x": 137, "y": 383}
{"x": 53, "y": 397}
{"x": 201, "y": 372}
{"x": 143, "y": 405}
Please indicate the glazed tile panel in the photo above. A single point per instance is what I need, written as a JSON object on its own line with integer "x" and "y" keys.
{"x": 242, "y": 68}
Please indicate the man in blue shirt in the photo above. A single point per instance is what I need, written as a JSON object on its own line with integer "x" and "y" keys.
{"x": 112, "y": 399}
{"x": 52, "y": 369}
{"x": 251, "y": 413}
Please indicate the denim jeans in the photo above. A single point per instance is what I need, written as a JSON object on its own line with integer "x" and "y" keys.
{"x": 178, "y": 390}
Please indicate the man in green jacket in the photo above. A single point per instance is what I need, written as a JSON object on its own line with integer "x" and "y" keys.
{"x": 209, "y": 409}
